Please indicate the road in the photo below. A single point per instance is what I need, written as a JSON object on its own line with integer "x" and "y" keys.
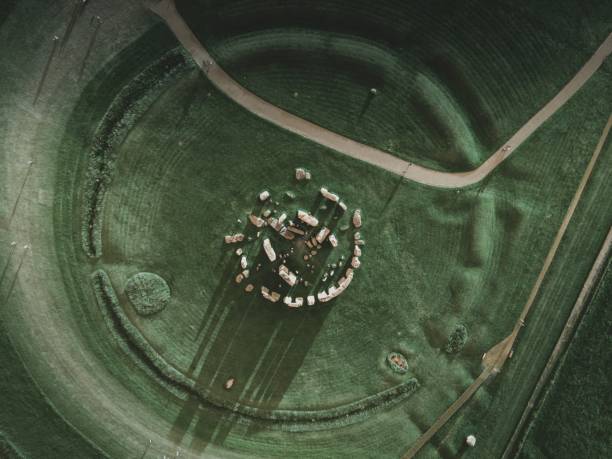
{"x": 562, "y": 342}
{"x": 166, "y": 9}
{"x": 497, "y": 356}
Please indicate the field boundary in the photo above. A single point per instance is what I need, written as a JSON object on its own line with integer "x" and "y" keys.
{"x": 501, "y": 351}
{"x": 586, "y": 294}
{"x": 166, "y": 9}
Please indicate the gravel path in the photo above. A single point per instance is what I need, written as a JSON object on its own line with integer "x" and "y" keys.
{"x": 166, "y": 9}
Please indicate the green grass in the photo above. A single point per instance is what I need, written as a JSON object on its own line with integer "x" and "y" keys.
{"x": 453, "y": 82}
{"x": 575, "y": 129}
{"x": 127, "y": 106}
{"x": 29, "y": 425}
{"x": 575, "y": 419}
{"x": 484, "y": 245}
{"x": 298, "y": 419}
{"x": 191, "y": 163}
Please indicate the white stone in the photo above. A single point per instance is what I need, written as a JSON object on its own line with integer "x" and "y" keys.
{"x": 270, "y": 296}
{"x": 355, "y": 263}
{"x": 471, "y": 440}
{"x": 357, "y": 235}
{"x": 284, "y": 232}
{"x": 233, "y": 238}
{"x": 255, "y": 220}
{"x": 238, "y": 251}
{"x": 329, "y": 196}
{"x": 243, "y": 262}
{"x": 264, "y": 195}
{"x": 342, "y": 206}
{"x": 239, "y": 278}
{"x": 294, "y": 303}
{"x": 249, "y": 288}
{"x": 357, "y": 251}
{"x": 310, "y": 300}
{"x": 322, "y": 234}
{"x": 307, "y": 218}
{"x": 357, "y": 218}
{"x": 302, "y": 174}
{"x": 333, "y": 240}
{"x": 267, "y": 213}
{"x": 246, "y": 273}
{"x": 269, "y": 250}
{"x": 287, "y": 275}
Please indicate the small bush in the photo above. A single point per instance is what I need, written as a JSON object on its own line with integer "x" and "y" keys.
{"x": 457, "y": 339}
{"x": 397, "y": 362}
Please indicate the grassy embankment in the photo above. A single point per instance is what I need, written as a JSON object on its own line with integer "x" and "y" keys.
{"x": 29, "y": 425}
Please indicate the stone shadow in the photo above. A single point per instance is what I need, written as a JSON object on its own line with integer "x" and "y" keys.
{"x": 261, "y": 345}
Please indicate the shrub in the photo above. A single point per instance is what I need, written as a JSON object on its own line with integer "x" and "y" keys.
{"x": 397, "y": 362}
{"x": 457, "y": 339}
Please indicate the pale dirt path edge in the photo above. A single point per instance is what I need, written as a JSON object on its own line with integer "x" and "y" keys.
{"x": 166, "y": 9}
{"x": 497, "y": 356}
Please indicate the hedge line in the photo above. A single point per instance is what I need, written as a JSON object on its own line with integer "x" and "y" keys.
{"x": 129, "y": 105}
{"x": 338, "y": 416}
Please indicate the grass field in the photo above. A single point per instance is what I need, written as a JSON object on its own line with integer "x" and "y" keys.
{"x": 181, "y": 171}
{"x": 453, "y": 82}
{"x": 505, "y": 397}
{"x": 575, "y": 419}
{"x": 29, "y": 424}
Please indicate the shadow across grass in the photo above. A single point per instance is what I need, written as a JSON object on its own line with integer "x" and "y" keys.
{"x": 260, "y": 344}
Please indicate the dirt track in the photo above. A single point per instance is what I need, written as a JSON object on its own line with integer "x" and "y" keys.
{"x": 562, "y": 342}
{"x": 497, "y": 356}
{"x": 166, "y": 10}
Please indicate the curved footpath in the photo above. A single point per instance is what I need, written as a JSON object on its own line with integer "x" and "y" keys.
{"x": 166, "y": 9}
